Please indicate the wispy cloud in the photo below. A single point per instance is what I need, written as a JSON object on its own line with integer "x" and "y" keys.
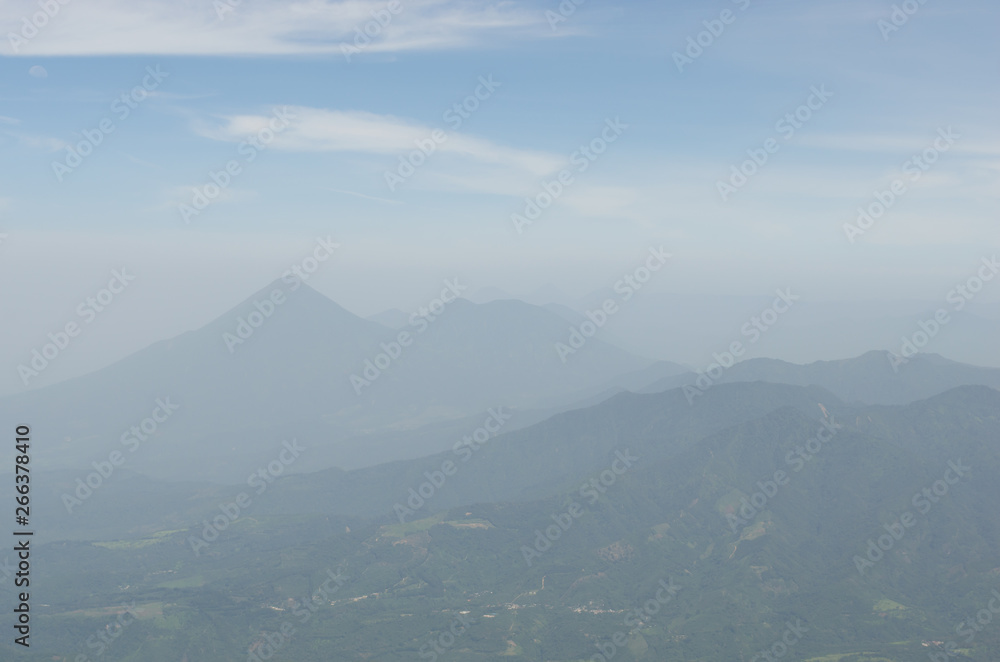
{"x": 603, "y": 201}
{"x": 139, "y": 161}
{"x": 320, "y": 130}
{"x": 265, "y": 27}
{"x": 900, "y": 143}
{"x": 177, "y": 195}
{"x": 366, "y": 197}
{"x": 44, "y": 143}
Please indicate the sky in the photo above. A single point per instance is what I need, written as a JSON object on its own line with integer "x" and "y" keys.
{"x": 115, "y": 115}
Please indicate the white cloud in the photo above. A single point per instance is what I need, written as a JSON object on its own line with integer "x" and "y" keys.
{"x": 362, "y": 195}
{"x": 602, "y": 201}
{"x": 482, "y": 179}
{"x": 263, "y": 27}
{"x": 178, "y": 195}
{"x": 319, "y": 130}
{"x": 44, "y": 143}
{"x": 901, "y": 143}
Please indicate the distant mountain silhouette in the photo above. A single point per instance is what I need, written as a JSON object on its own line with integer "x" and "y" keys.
{"x": 266, "y": 371}
{"x": 869, "y": 378}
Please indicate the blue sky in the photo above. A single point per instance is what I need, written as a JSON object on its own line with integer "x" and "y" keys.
{"x": 325, "y": 173}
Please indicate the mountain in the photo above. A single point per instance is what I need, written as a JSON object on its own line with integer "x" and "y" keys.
{"x": 751, "y": 533}
{"x": 488, "y": 294}
{"x": 803, "y": 555}
{"x": 689, "y": 328}
{"x": 541, "y": 459}
{"x": 547, "y": 294}
{"x": 870, "y": 378}
{"x": 394, "y": 318}
{"x": 305, "y": 367}
{"x": 524, "y": 464}
{"x": 498, "y": 353}
{"x": 565, "y": 312}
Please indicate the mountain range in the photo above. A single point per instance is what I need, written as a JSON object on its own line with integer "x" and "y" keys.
{"x": 309, "y": 372}
{"x": 571, "y": 511}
